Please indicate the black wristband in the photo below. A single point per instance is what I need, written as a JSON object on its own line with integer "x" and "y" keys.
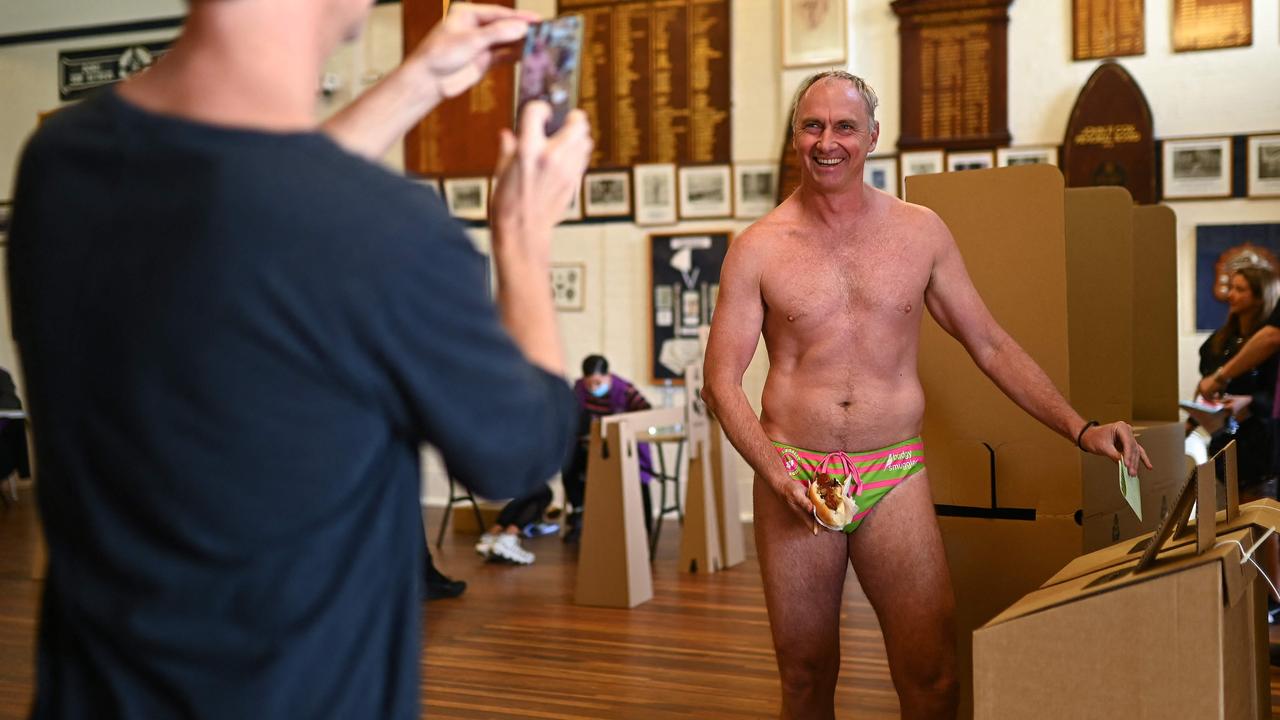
{"x": 1083, "y": 430}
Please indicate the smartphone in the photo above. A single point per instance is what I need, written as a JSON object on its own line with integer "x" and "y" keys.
{"x": 550, "y": 66}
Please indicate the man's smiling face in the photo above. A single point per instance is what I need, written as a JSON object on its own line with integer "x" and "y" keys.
{"x": 834, "y": 134}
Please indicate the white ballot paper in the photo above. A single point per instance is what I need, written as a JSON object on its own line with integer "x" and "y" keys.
{"x": 1131, "y": 490}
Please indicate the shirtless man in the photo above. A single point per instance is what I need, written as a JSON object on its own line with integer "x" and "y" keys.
{"x": 837, "y": 279}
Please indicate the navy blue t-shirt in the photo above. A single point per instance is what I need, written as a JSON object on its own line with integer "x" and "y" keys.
{"x": 234, "y": 344}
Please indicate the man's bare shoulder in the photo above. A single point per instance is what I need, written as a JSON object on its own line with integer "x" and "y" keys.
{"x": 778, "y": 224}
{"x": 920, "y": 222}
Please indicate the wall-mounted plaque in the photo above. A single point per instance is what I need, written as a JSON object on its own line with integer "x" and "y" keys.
{"x": 954, "y": 73}
{"x": 1107, "y": 28}
{"x": 80, "y": 72}
{"x": 685, "y": 284}
{"x": 1109, "y": 139}
{"x": 1210, "y": 24}
{"x": 656, "y": 80}
{"x": 432, "y": 147}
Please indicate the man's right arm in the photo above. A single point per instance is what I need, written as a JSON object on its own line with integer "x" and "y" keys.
{"x": 735, "y": 330}
{"x": 1263, "y": 344}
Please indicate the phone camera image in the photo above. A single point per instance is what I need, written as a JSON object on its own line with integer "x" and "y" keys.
{"x": 549, "y": 67}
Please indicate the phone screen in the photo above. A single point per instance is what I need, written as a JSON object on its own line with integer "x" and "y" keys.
{"x": 549, "y": 67}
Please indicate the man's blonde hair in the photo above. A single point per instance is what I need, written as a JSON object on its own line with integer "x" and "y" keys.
{"x": 868, "y": 95}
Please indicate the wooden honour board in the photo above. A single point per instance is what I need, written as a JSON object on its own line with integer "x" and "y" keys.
{"x": 460, "y": 137}
{"x": 656, "y": 80}
{"x": 954, "y": 83}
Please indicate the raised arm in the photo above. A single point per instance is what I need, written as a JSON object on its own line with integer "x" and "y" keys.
{"x": 735, "y": 331}
{"x": 449, "y": 60}
{"x": 954, "y": 302}
{"x": 1263, "y": 344}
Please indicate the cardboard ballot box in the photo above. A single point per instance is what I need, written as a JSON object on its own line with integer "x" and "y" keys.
{"x": 1107, "y": 517}
{"x": 1178, "y": 640}
{"x": 1169, "y": 624}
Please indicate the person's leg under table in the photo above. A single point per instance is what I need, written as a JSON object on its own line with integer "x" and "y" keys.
{"x": 898, "y": 556}
{"x": 803, "y": 581}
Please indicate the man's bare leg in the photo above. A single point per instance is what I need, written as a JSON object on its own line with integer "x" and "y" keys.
{"x": 899, "y": 560}
{"x": 803, "y": 582}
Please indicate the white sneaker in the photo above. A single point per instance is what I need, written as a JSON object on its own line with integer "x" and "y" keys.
{"x": 507, "y": 547}
{"x": 485, "y": 546}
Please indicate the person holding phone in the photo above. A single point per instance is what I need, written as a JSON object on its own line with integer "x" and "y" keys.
{"x": 238, "y": 331}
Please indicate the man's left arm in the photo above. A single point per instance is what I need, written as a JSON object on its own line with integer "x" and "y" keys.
{"x": 449, "y": 60}
{"x": 956, "y": 305}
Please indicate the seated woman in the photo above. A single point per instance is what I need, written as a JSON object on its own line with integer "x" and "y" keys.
{"x": 1247, "y": 417}
{"x": 601, "y": 393}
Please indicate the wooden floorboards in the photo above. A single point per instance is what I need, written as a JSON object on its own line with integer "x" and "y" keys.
{"x": 514, "y": 646}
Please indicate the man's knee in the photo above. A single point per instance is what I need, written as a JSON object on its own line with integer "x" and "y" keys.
{"x": 808, "y": 674}
{"x": 935, "y": 684}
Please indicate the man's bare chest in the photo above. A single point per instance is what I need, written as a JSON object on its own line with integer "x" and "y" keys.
{"x": 819, "y": 282}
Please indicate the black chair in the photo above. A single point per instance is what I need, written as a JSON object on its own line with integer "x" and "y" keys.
{"x": 454, "y": 497}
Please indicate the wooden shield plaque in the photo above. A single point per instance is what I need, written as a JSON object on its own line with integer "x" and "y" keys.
{"x": 954, "y": 89}
{"x": 460, "y": 137}
{"x": 1109, "y": 139}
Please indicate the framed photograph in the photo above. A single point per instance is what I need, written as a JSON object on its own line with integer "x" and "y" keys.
{"x": 1197, "y": 168}
{"x": 1264, "y": 166}
{"x": 755, "y": 189}
{"x": 970, "y": 160}
{"x": 920, "y": 162}
{"x": 881, "y": 173}
{"x": 655, "y": 194}
{"x": 705, "y": 191}
{"x": 1008, "y": 157}
{"x": 467, "y": 198}
{"x": 813, "y": 32}
{"x": 568, "y": 282}
{"x": 607, "y": 194}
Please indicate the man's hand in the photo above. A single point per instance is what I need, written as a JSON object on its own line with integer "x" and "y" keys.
{"x": 536, "y": 178}
{"x": 795, "y": 495}
{"x": 458, "y": 51}
{"x": 1117, "y": 442}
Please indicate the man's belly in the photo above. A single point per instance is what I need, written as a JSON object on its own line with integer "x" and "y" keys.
{"x": 817, "y": 411}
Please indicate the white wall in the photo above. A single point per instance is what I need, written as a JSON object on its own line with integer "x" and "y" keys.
{"x": 1205, "y": 93}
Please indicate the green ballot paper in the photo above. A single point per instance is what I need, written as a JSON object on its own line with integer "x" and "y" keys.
{"x": 1131, "y": 490}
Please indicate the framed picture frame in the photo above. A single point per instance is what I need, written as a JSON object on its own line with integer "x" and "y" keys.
{"x": 1264, "y": 165}
{"x": 467, "y": 198}
{"x": 755, "y": 189}
{"x": 1008, "y": 157}
{"x": 568, "y": 285}
{"x": 920, "y": 162}
{"x": 606, "y": 194}
{"x": 881, "y": 173}
{"x": 813, "y": 32}
{"x": 706, "y": 191}
{"x": 1197, "y": 168}
{"x": 655, "y": 193}
{"x": 970, "y": 160}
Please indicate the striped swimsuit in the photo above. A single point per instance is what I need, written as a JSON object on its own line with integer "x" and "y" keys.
{"x": 874, "y": 472}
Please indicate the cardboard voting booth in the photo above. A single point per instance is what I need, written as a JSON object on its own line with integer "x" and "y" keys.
{"x": 1170, "y": 625}
{"x": 1058, "y": 269}
{"x": 717, "y": 517}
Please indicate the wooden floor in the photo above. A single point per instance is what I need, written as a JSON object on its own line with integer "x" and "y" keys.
{"x": 514, "y": 646}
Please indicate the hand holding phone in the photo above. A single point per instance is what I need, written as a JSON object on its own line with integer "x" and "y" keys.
{"x": 549, "y": 67}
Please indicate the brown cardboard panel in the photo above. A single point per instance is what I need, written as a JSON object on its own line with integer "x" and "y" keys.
{"x": 1108, "y": 519}
{"x": 1008, "y": 224}
{"x": 993, "y": 563}
{"x": 1100, "y": 306}
{"x": 1224, "y": 555}
{"x": 700, "y": 534}
{"x": 728, "y": 510}
{"x": 1151, "y": 650}
{"x": 613, "y": 562}
{"x": 1155, "y": 313}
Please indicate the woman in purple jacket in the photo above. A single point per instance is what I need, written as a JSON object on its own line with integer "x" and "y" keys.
{"x": 601, "y": 393}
